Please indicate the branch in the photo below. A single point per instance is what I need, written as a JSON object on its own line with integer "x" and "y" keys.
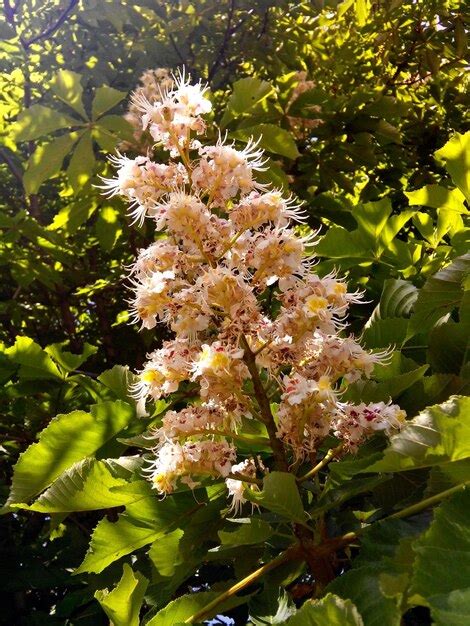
{"x": 176, "y": 49}
{"x": 13, "y": 167}
{"x": 227, "y": 35}
{"x": 49, "y": 31}
{"x": 265, "y": 408}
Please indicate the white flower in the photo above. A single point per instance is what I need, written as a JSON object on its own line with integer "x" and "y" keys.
{"x": 142, "y": 182}
{"x": 224, "y": 172}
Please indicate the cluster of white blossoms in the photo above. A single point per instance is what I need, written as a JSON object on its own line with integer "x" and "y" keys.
{"x": 152, "y": 84}
{"x": 253, "y": 326}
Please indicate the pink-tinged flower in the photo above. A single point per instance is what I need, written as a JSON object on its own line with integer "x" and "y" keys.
{"x": 160, "y": 256}
{"x": 165, "y": 369}
{"x": 275, "y": 254}
{"x": 174, "y": 461}
{"x": 221, "y": 372}
{"x": 185, "y": 216}
{"x": 223, "y": 172}
{"x": 237, "y": 488}
{"x": 305, "y": 413}
{"x": 171, "y": 120}
{"x": 142, "y": 182}
{"x": 341, "y": 357}
{"x": 151, "y": 298}
{"x": 257, "y": 209}
{"x": 207, "y": 418}
{"x": 354, "y": 424}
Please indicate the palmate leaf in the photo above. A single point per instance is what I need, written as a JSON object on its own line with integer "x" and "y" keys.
{"x": 82, "y": 162}
{"x": 122, "y": 604}
{"x": 247, "y": 93}
{"x": 440, "y": 434}
{"x": 273, "y": 605}
{"x": 441, "y": 573}
{"x": 253, "y": 530}
{"x": 164, "y": 553}
{"x": 280, "y": 495}
{"x": 46, "y": 161}
{"x": 329, "y": 611}
{"x": 385, "y": 551}
{"x": 38, "y": 121}
{"x": 34, "y": 362}
{"x": 86, "y": 486}
{"x": 455, "y": 154}
{"x": 105, "y": 99}
{"x": 146, "y": 519}
{"x": 271, "y": 138}
{"x": 182, "y": 608}
{"x": 441, "y": 293}
{"x": 67, "y": 439}
{"x": 67, "y": 87}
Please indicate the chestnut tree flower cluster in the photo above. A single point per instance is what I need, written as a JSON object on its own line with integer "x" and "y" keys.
{"x": 256, "y": 332}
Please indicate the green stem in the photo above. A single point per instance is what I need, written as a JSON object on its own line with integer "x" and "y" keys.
{"x": 424, "y": 504}
{"x": 245, "y": 479}
{"x": 329, "y": 456}
{"x": 409, "y": 510}
{"x": 290, "y": 554}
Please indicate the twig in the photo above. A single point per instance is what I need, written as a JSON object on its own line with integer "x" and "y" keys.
{"x": 51, "y": 29}
{"x": 12, "y": 166}
{"x": 225, "y": 40}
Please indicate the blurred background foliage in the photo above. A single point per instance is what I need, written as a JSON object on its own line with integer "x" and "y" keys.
{"x": 361, "y": 106}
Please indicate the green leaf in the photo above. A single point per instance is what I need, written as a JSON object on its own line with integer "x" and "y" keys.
{"x": 67, "y": 439}
{"x": 82, "y": 162}
{"x": 119, "y": 379}
{"x": 440, "y": 434}
{"x": 109, "y": 130}
{"x": 122, "y": 604}
{"x": 376, "y": 224}
{"x": 272, "y": 606}
{"x": 249, "y": 531}
{"x": 67, "y": 87}
{"x": 362, "y": 586}
{"x": 388, "y": 388}
{"x": 380, "y": 572}
{"x": 247, "y": 93}
{"x": 145, "y": 520}
{"x": 442, "y": 567}
{"x": 46, "y": 161}
{"x": 184, "y": 607}
{"x": 437, "y": 197}
{"x": 440, "y": 294}
{"x": 38, "y": 121}
{"x": 329, "y": 611}
{"x": 280, "y": 495}
{"x": 67, "y": 360}
{"x": 447, "y": 347}
{"x": 108, "y": 227}
{"x": 271, "y": 138}
{"x": 456, "y": 156}
{"x": 105, "y": 98}
{"x": 86, "y": 486}
{"x": 397, "y": 299}
{"x": 164, "y": 553}
{"x": 35, "y": 363}
{"x": 382, "y": 333}
{"x": 339, "y": 243}
{"x": 362, "y": 11}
